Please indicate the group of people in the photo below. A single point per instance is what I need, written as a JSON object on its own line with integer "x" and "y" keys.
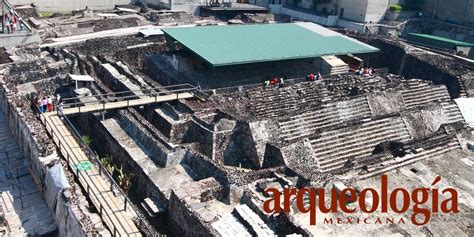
{"x": 366, "y": 71}
{"x": 312, "y": 77}
{"x": 11, "y": 22}
{"x": 280, "y": 82}
{"x": 45, "y": 104}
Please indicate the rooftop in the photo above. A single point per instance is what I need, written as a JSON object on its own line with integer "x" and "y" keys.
{"x": 442, "y": 39}
{"x": 241, "y": 44}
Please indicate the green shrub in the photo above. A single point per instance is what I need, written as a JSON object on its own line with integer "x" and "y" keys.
{"x": 395, "y": 8}
{"x": 86, "y": 140}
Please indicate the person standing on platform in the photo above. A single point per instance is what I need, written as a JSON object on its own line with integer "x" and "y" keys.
{"x": 50, "y": 104}
{"x": 45, "y": 104}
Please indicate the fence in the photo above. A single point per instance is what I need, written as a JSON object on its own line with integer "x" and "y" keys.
{"x": 139, "y": 217}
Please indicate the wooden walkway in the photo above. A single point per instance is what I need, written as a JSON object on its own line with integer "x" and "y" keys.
{"x": 110, "y": 208}
{"x": 97, "y": 106}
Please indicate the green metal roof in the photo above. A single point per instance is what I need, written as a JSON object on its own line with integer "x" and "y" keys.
{"x": 240, "y": 44}
{"x": 442, "y": 39}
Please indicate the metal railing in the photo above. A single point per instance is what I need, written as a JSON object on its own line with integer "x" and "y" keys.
{"x": 129, "y": 95}
{"x": 139, "y": 217}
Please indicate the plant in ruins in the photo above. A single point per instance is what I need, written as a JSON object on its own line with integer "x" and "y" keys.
{"x": 86, "y": 140}
{"x": 395, "y": 8}
{"x": 124, "y": 179}
{"x": 107, "y": 163}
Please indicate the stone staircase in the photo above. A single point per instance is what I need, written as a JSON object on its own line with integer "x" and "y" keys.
{"x": 439, "y": 145}
{"x": 335, "y": 147}
{"x": 273, "y": 102}
{"x": 453, "y": 112}
{"x": 420, "y": 93}
{"x": 332, "y": 65}
{"x": 328, "y": 115}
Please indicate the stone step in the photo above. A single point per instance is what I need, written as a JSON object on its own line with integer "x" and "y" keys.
{"x": 397, "y": 163}
{"x": 354, "y": 138}
{"x": 325, "y": 112}
{"x": 338, "y": 162}
{"x": 441, "y": 94}
{"x": 330, "y": 118}
{"x": 359, "y": 148}
{"x": 433, "y": 96}
{"x": 303, "y": 131}
{"x": 365, "y": 128}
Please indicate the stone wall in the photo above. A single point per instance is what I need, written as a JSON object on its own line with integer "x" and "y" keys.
{"x": 67, "y": 215}
{"x": 205, "y": 168}
{"x": 436, "y": 68}
{"x": 201, "y": 135}
{"x": 182, "y": 216}
{"x": 412, "y": 62}
{"x": 385, "y": 102}
{"x": 425, "y": 121}
{"x": 181, "y": 68}
{"x": 14, "y": 40}
{"x": 160, "y": 154}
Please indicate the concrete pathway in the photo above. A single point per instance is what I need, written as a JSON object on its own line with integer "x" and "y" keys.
{"x": 102, "y": 34}
{"x": 23, "y": 205}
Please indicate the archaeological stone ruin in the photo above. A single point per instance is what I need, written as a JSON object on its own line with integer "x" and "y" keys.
{"x": 166, "y": 123}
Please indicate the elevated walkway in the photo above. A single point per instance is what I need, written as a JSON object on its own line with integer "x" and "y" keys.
{"x": 126, "y": 99}
{"x": 112, "y": 209}
{"x": 116, "y": 210}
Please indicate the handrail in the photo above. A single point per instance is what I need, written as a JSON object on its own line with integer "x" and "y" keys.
{"x": 105, "y": 97}
{"x": 149, "y": 89}
{"x": 139, "y": 217}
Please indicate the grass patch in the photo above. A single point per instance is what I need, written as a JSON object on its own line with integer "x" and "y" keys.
{"x": 46, "y": 14}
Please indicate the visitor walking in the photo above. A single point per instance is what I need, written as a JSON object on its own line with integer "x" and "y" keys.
{"x": 12, "y": 26}
{"x": 20, "y": 22}
{"x": 45, "y": 104}
{"x": 39, "y": 104}
{"x": 319, "y": 76}
{"x": 50, "y": 104}
{"x": 60, "y": 107}
{"x": 281, "y": 83}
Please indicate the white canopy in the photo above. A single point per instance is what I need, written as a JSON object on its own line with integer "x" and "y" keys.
{"x": 466, "y": 106}
{"x": 81, "y": 77}
{"x": 151, "y": 32}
